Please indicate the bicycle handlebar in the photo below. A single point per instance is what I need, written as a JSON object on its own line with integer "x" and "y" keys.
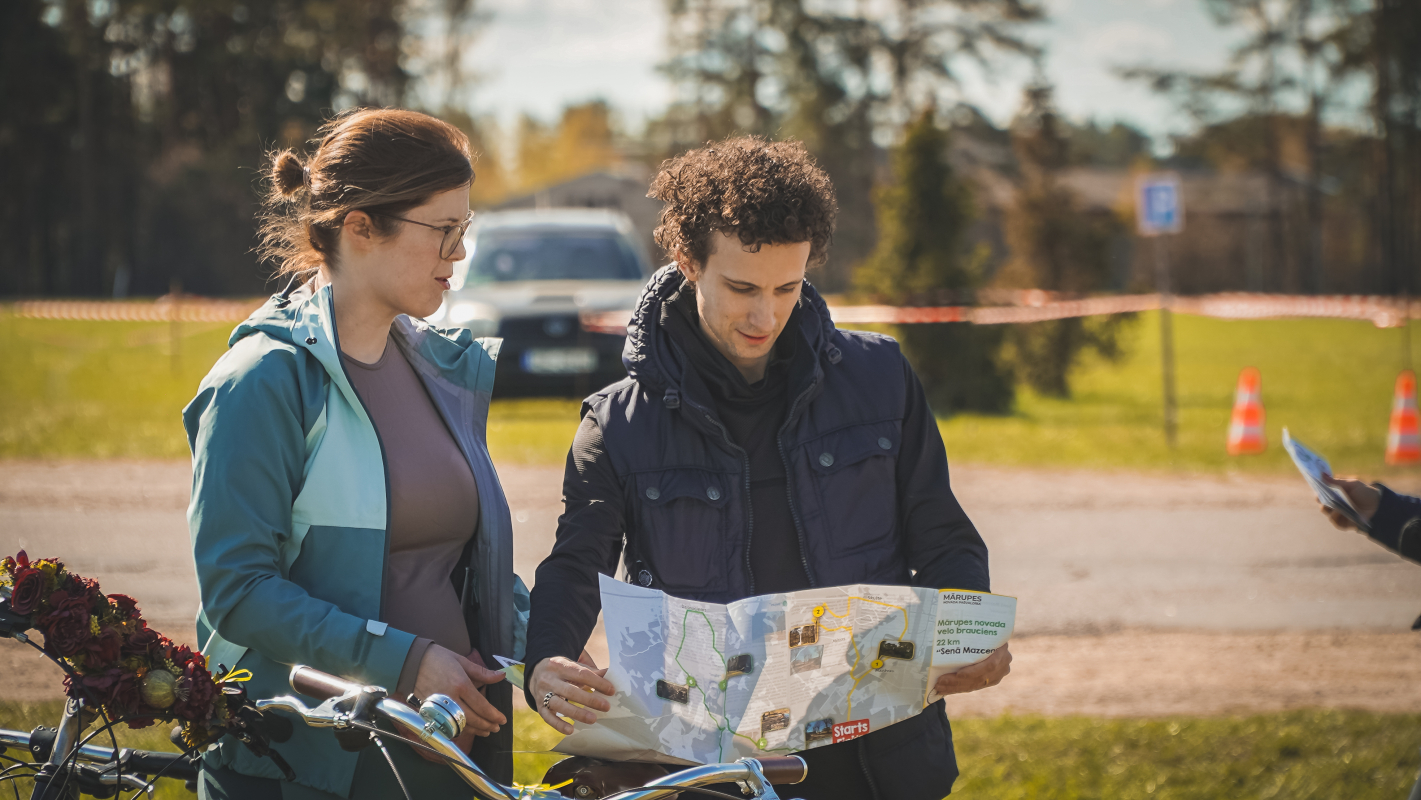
{"x": 113, "y": 767}
{"x": 314, "y": 683}
{"x": 339, "y": 698}
{"x": 783, "y": 769}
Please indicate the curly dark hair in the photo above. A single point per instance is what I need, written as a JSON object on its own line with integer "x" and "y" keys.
{"x": 765, "y": 192}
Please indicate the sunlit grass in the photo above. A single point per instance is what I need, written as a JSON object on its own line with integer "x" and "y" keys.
{"x": 115, "y": 389}
{"x": 1329, "y": 381}
{"x": 72, "y": 389}
{"x": 1300, "y": 755}
{"x": 1297, "y": 755}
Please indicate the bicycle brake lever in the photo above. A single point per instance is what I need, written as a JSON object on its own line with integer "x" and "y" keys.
{"x": 96, "y": 781}
{"x": 313, "y": 716}
{"x": 12, "y": 625}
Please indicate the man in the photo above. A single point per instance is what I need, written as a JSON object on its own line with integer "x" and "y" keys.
{"x": 755, "y": 448}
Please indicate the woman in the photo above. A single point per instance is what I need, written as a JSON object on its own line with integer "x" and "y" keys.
{"x": 345, "y": 513}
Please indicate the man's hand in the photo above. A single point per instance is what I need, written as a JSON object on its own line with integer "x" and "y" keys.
{"x": 1365, "y": 499}
{"x": 977, "y": 676}
{"x": 573, "y": 687}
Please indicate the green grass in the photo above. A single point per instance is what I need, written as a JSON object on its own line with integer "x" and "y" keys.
{"x": 1329, "y": 381}
{"x": 1296, "y": 755}
{"x": 115, "y": 389}
{"x": 72, "y": 389}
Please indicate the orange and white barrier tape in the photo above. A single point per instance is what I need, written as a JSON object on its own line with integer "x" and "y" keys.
{"x": 1384, "y": 312}
{"x": 122, "y": 311}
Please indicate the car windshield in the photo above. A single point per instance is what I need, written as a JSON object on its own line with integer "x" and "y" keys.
{"x": 546, "y": 254}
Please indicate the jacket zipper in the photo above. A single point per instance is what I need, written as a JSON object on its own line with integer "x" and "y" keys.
{"x": 789, "y": 488}
{"x": 384, "y": 462}
{"x": 749, "y": 507}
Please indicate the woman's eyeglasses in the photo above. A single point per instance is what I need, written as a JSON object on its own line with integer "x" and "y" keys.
{"x": 452, "y": 233}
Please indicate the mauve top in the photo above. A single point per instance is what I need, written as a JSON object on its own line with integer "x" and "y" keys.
{"x": 434, "y": 506}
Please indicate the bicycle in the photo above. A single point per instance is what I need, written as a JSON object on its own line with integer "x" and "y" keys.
{"x": 65, "y": 765}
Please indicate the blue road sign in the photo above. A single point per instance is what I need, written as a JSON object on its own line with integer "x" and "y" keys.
{"x": 1158, "y": 205}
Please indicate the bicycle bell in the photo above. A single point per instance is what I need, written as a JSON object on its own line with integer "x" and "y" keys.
{"x": 442, "y": 715}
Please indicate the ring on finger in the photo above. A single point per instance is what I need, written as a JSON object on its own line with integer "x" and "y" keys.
{"x": 548, "y": 698}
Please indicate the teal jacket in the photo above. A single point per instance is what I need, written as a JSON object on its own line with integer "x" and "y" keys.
{"x": 290, "y": 512}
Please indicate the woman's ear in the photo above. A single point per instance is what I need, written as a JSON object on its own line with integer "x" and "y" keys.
{"x": 359, "y": 227}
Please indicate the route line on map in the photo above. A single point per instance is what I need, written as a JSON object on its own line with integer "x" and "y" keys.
{"x": 858, "y": 654}
{"x": 720, "y": 725}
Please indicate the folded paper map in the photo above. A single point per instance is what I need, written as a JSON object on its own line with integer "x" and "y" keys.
{"x": 769, "y": 675}
{"x": 1314, "y": 468}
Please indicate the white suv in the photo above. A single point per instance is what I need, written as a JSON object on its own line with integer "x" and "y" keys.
{"x": 530, "y": 278}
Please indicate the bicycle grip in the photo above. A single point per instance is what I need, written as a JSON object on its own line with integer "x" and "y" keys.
{"x": 314, "y": 683}
{"x": 783, "y": 769}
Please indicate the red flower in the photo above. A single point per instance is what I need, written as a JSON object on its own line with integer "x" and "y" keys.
{"x": 27, "y": 591}
{"x": 179, "y": 654}
{"x": 116, "y": 689}
{"x": 127, "y": 606}
{"x": 196, "y": 691}
{"x": 143, "y": 642}
{"x": 87, "y": 588}
{"x": 65, "y": 624}
{"x": 103, "y": 649}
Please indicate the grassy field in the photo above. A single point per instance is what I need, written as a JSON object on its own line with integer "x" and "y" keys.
{"x": 1296, "y": 755}
{"x": 107, "y": 389}
{"x": 1329, "y": 381}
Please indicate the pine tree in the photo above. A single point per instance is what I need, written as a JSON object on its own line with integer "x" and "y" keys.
{"x": 1055, "y": 246}
{"x": 921, "y": 257}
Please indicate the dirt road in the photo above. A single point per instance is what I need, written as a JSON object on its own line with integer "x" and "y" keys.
{"x": 1138, "y": 595}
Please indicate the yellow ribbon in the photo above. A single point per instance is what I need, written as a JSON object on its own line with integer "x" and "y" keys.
{"x": 539, "y": 787}
{"x": 236, "y": 677}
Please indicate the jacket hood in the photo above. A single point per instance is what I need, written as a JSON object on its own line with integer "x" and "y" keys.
{"x": 648, "y": 354}
{"x": 276, "y": 316}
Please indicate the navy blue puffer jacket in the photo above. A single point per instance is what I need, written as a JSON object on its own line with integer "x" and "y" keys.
{"x": 665, "y": 489}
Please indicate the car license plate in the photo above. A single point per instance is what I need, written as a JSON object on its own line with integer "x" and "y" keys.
{"x": 560, "y": 360}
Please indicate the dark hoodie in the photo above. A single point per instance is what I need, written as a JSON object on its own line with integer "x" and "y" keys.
{"x": 656, "y": 480}
{"x": 753, "y": 414}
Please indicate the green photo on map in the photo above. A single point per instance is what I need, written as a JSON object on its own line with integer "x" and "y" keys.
{"x": 818, "y": 732}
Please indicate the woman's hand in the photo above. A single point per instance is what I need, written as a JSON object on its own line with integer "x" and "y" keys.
{"x": 570, "y": 689}
{"x": 988, "y": 672}
{"x": 442, "y": 671}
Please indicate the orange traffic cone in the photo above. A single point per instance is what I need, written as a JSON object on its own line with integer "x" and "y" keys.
{"x": 1246, "y": 428}
{"x": 1403, "y": 443}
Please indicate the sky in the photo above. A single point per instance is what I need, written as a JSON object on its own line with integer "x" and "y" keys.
{"x": 537, "y": 56}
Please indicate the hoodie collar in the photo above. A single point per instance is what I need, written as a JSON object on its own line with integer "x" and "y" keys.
{"x": 651, "y": 360}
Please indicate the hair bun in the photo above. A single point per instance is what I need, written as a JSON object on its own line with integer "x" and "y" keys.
{"x": 288, "y": 174}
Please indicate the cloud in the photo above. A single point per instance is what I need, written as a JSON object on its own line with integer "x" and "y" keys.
{"x": 1123, "y": 41}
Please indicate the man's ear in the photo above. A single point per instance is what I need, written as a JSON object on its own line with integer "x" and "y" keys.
{"x": 688, "y": 267}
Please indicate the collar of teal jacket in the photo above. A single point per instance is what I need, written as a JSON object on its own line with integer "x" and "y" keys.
{"x": 306, "y": 319}
{"x": 344, "y": 489}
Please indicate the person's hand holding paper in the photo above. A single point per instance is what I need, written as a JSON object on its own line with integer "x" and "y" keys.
{"x": 1365, "y": 499}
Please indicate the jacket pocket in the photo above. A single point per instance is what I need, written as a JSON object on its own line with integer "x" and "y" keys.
{"x": 855, "y": 472}
{"x": 683, "y": 521}
{"x": 914, "y": 759}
